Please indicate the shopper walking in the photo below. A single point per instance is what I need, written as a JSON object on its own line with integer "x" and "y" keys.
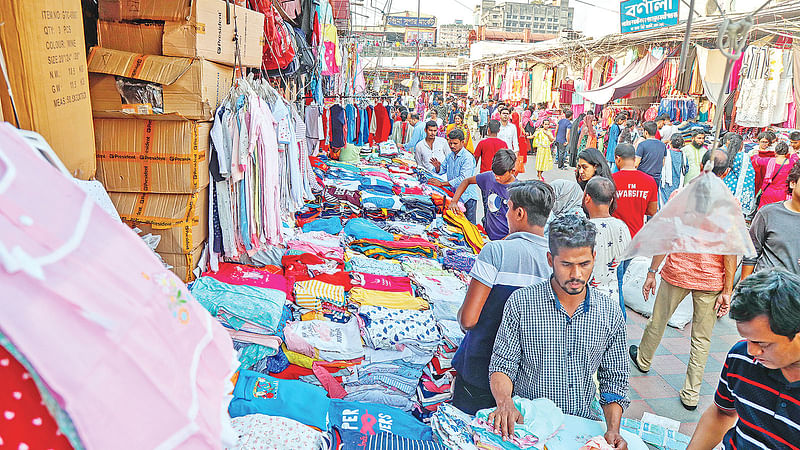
{"x": 508, "y": 131}
{"x": 613, "y": 236}
{"x": 637, "y": 197}
{"x": 650, "y": 154}
{"x": 563, "y": 132}
{"x": 709, "y": 279}
{"x": 613, "y": 138}
{"x": 483, "y": 119}
{"x": 486, "y": 149}
{"x": 776, "y": 170}
{"x": 694, "y": 151}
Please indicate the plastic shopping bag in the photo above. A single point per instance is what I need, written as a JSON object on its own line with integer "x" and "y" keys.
{"x": 703, "y": 217}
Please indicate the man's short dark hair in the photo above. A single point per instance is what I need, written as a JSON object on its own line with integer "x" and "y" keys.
{"x": 571, "y": 231}
{"x": 625, "y": 151}
{"x": 415, "y": 116}
{"x": 720, "y": 161}
{"x": 503, "y": 161}
{"x": 456, "y": 134}
{"x": 793, "y": 177}
{"x": 650, "y": 127}
{"x": 431, "y": 123}
{"x": 404, "y": 116}
{"x": 601, "y": 190}
{"x": 773, "y": 293}
{"x": 620, "y": 116}
{"x": 794, "y": 136}
{"x": 696, "y": 133}
{"x": 505, "y": 108}
{"x": 535, "y": 197}
{"x": 676, "y": 141}
{"x": 781, "y": 148}
{"x": 568, "y": 114}
{"x": 664, "y": 117}
{"x": 494, "y": 126}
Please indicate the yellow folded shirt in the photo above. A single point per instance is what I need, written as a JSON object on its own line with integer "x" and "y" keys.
{"x": 395, "y": 300}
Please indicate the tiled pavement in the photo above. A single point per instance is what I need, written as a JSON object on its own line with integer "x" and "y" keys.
{"x": 657, "y": 391}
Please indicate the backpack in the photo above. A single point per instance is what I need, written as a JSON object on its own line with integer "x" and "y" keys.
{"x": 304, "y": 55}
{"x": 278, "y": 50}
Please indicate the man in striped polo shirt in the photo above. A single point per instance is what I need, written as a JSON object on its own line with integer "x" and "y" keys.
{"x": 757, "y": 404}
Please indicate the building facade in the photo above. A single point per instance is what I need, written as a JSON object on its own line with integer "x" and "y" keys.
{"x": 546, "y": 17}
{"x": 453, "y": 34}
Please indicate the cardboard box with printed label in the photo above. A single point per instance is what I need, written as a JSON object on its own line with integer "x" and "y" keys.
{"x": 183, "y": 263}
{"x": 161, "y": 154}
{"x": 43, "y": 45}
{"x": 142, "y": 38}
{"x": 144, "y": 84}
{"x": 180, "y": 219}
{"x": 198, "y": 28}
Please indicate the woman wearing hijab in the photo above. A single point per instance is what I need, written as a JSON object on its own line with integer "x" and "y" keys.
{"x": 573, "y": 143}
{"x": 588, "y": 136}
{"x": 528, "y": 129}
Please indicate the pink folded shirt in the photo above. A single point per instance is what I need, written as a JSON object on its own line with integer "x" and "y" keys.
{"x": 382, "y": 282}
{"x": 249, "y": 276}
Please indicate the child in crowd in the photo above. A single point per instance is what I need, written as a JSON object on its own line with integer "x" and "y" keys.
{"x": 494, "y": 191}
{"x": 542, "y": 141}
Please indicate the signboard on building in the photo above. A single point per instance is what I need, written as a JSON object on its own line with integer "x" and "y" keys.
{"x": 640, "y": 15}
{"x": 424, "y": 36}
{"x": 411, "y": 22}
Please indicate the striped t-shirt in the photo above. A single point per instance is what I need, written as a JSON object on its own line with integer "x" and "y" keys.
{"x": 767, "y": 404}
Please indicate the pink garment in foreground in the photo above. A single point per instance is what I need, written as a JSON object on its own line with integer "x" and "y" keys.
{"x": 597, "y": 443}
{"x": 132, "y": 358}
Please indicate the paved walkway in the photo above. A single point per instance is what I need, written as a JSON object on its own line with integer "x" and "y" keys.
{"x": 657, "y": 391}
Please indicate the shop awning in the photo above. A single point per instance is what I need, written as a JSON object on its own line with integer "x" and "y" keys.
{"x": 626, "y": 81}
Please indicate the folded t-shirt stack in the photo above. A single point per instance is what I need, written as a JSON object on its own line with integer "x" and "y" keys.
{"x": 387, "y": 299}
{"x": 395, "y": 249}
{"x": 360, "y": 263}
{"x": 324, "y": 339}
{"x": 417, "y": 208}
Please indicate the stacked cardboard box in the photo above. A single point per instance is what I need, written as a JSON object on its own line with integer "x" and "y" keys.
{"x": 43, "y": 46}
{"x": 161, "y": 69}
{"x": 156, "y": 171}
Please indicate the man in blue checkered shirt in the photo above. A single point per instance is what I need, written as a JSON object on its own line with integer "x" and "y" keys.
{"x": 555, "y": 335}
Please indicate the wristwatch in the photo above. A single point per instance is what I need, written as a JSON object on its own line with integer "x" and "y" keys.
{"x": 649, "y": 270}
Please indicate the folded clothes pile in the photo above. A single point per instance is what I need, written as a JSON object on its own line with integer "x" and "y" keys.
{"x": 360, "y": 263}
{"x": 444, "y": 292}
{"x": 387, "y": 299}
{"x": 387, "y": 328}
{"x": 417, "y": 208}
{"x": 396, "y": 249}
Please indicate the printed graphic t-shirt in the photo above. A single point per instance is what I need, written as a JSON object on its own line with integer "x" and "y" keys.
{"x": 495, "y": 197}
{"x": 635, "y": 190}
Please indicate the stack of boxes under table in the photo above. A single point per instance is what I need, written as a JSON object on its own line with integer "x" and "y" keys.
{"x": 160, "y": 70}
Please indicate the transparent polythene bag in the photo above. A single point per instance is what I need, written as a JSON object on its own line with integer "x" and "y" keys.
{"x": 703, "y": 217}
